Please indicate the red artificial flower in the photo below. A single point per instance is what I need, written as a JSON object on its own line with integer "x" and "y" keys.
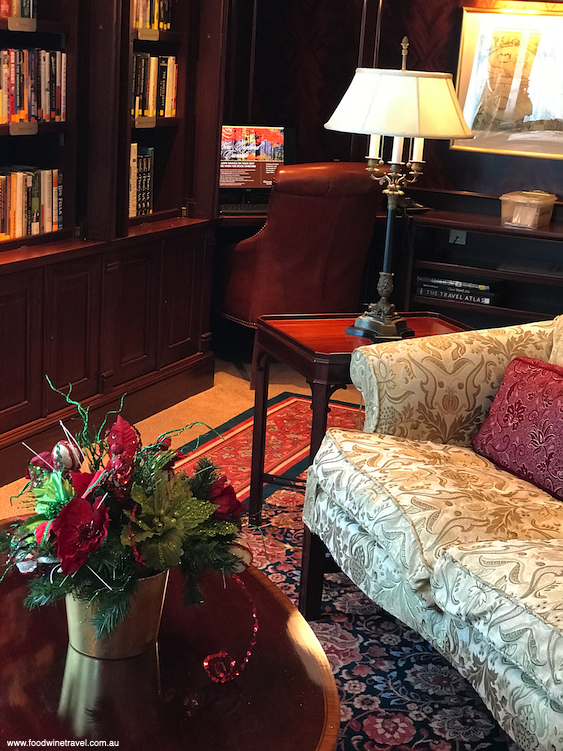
{"x": 223, "y": 494}
{"x": 123, "y": 438}
{"x": 42, "y": 531}
{"x": 84, "y": 482}
{"x": 80, "y": 528}
{"x": 123, "y": 442}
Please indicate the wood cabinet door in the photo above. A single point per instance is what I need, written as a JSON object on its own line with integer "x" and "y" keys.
{"x": 129, "y": 313}
{"x": 72, "y": 329}
{"x": 20, "y": 348}
{"x": 185, "y": 293}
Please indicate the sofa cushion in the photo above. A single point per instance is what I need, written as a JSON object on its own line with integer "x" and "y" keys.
{"x": 556, "y": 357}
{"x": 417, "y": 498}
{"x": 512, "y": 594}
{"x": 523, "y": 432}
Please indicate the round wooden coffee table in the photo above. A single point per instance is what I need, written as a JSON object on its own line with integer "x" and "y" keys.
{"x": 284, "y": 699}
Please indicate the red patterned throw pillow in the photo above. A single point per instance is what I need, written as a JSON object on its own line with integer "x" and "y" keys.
{"x": 523, "y": 432}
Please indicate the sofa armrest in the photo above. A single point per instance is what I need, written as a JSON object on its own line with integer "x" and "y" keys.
{"x": 440, "y": 388}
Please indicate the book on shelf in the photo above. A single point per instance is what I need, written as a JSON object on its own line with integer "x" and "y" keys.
{"x": 481, "y": 286}
{"x": 18, "y": 8}
{"x": 141, "y": 180}
{"x": 459, "y": 294}
{"x": 31, "y": 201}
{"x": 151, "y": 14}
{"x": 133, "y": 181}
{"x": 153, "y": 85}
{"x": 145, "y": 180}
{"x": 33, "y": 83}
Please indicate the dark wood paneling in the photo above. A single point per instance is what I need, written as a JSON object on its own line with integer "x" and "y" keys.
{"x": 129, "y": 312}
{"x": 183, "y": 262}
{"x": 71, "y": 329}
{"x": 20, "y": 338}
{"x": 305, "y": 55}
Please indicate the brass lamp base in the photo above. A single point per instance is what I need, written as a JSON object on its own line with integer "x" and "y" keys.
{"x": 380, "y": 328}
{"x": 381, "y": 322}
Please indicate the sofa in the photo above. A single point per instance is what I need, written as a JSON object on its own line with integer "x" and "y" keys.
{"x": 465, "y": 552}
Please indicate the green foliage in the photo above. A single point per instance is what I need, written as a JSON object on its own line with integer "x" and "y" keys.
{"x": 54, "y": 492}
{"x": 163, "y": 520}
{"x": 205, "y": 474}
{"x": 5, "y": 541}
{"x": 204, "y": 555}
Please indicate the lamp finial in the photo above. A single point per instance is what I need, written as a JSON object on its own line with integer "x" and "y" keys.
{"x": 405, "y": 52}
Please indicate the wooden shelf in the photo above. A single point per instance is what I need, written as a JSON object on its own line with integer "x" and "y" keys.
{"x": 529, "y": 262}
{"x": 491, "y": 225}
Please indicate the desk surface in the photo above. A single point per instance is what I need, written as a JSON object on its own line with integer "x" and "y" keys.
{"x": 285, "y": 698}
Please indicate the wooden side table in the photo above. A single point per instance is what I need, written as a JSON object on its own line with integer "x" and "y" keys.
{"x": 317, "y": 347}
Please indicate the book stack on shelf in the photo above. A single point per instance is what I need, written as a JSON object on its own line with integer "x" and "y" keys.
{"x": 154, "y": 85}
{"x": 18, "y": 8}
{"x": 33, "y": 85}
{"x": 141, "y": 180}
{"x": 151, "y": 14}
{"x": 480, "y": 293}
{"x": 31, "y": 201}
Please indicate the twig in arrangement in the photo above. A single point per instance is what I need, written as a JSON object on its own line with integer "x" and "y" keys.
{"x": 100, "y": 578}
{"x": 37, "y": 455}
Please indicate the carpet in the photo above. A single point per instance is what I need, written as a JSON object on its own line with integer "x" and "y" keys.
{"x": 396, "y": 692}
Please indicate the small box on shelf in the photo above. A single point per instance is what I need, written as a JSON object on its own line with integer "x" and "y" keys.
{"x": 527, "y": 208}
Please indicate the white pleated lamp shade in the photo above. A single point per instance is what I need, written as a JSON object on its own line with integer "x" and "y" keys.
{"x": 406, "y": 103}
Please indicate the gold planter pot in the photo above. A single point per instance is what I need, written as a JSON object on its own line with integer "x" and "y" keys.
{"x": 136, "y": 634}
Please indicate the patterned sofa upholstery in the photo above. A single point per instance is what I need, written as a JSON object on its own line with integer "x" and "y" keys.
{"x": 465, "y": 553}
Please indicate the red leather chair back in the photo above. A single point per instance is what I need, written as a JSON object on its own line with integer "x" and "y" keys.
{"x": 309, "y": 256}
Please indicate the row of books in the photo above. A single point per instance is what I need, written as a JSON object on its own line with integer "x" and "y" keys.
{"x": 154, "y": 85}
{"x": 141, "y": 180}
{"x": 33, "y": 85}
{"x": 31, "y": 201}
{"x": 18, "y": 8}
{"x": 151, "y": 14}
{"x": 482, "y": 293}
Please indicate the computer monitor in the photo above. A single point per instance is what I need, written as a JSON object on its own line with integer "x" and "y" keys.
{"x": 250, "y": 155}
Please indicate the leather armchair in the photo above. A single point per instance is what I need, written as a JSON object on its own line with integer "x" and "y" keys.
{"x": 309, "y": 256}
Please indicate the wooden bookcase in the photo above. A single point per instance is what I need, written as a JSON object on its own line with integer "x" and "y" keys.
{"x": 112, "y": 304}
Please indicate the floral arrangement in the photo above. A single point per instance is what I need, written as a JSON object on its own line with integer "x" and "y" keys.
{"x": 109, "y": 511}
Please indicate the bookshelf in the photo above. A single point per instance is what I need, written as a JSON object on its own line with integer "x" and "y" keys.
{"x": 113, "y": 304}
{"x": 37, "y": 126}
{"x": 522, "y": 267}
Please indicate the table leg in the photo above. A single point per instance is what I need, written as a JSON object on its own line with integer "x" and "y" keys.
{"x": 262, "y": 377}
{"x": 320, "y": 396}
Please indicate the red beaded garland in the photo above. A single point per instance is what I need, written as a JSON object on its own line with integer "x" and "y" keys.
{"x": 221, "y": 667}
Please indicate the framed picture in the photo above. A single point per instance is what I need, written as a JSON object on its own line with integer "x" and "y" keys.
{"x": 510, "y": 80}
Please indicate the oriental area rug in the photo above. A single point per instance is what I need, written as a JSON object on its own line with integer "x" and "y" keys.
{"x": 396, "y": 692}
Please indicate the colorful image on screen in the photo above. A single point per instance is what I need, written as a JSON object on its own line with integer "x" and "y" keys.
{"x": 250, "y": 155}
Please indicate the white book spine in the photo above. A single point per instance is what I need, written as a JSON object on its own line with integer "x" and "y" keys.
{"x": 47, "y": 200}
{"x": 133, "y": 181}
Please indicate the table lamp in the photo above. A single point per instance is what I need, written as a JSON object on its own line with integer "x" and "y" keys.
{"x": 403, "y": 104}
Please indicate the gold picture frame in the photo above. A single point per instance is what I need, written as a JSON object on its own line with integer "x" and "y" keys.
{"x": 510, "y": 81}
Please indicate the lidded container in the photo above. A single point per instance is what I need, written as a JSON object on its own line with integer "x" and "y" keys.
{"x": 527, "y": 208}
